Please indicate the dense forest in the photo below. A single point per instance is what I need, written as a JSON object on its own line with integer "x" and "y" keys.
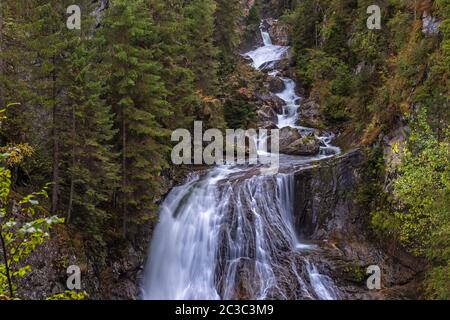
{"x": 87, "y": 117}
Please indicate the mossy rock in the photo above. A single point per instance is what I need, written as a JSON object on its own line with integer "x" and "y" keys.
{"x": 354, "y": 273}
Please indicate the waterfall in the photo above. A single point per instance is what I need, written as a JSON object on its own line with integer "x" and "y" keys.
{"x": 266, "y": 38}
{"x": 229, "y": 233}
{"x": 267, "y": 55}
{"x": 224, "y": 237}
{"x": 289, "y": 116}
{"x": 183, "y": 248}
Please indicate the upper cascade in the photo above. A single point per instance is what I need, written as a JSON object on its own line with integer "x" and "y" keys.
{"x": 267, "y": 55}
{"x": 265, "y": 58}
{"x": 266, "y": 38}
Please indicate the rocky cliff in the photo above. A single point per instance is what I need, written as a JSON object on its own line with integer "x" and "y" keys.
{"x": 327, "y": 212}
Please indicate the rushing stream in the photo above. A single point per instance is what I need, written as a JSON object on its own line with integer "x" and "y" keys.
{"x": 229, "y": 233}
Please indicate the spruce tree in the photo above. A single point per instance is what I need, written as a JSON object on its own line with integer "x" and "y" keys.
{"x": 173, "y": 48}
{"x": 202, "y": 52}
{"x": 90, "y": 167}
{"x": 138, "y": 98}
{"x": 55, "y": 75}
{"x": 14, "y": 72}
{"x": 49, "y": 43}
{"x": 226, "y": 36}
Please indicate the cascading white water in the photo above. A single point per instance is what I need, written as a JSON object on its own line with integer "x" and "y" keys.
{"x": 256, "y": 227}
{"x": 266, "y": 38}
{"x": 323, "y": 285}
{"x": 184, "y": 244}
{"x": 229, "y": 234}
{"x": 290, "y": 109}
{"x": 267, "y": 55}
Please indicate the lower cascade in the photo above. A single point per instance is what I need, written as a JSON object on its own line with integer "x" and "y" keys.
{"x": 230, "y": 234}
{"x": 225, "y": 236}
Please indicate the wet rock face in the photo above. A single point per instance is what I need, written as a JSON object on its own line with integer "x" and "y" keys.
{"x": 268, "y": 107}
{"x": 274, "y": 84}
{"x": 292, "y": 143}
{"x": 324, "y": 196}
{"x": 278, "y": 31}
{"x": 326, "y": 213}
{"x": 309, "y": 115}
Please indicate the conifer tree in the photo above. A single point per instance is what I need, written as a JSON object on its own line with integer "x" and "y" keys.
{"x": 90, "y": 167}
{"x": 226, "y": 36}
{"x": 49, "y": 43}
{"x": 176, "y": 73}
{"x": 59, "y": 82}
{"x": 200, "y": 36}
{"x": 13, "y": 72}
{"x": 138, "y": 98}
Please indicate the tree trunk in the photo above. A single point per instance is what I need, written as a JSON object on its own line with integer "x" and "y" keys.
{"x": 317, "y": 35}
{"x": 72, "y": 182}
{"x": 55, "y": 133}
{"x": 124, "y": 178}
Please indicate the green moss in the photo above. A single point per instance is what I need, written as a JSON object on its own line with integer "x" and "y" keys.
{"x": 355, "y": 273}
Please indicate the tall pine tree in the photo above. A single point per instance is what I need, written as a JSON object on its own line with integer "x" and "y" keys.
{"x": 138, "y": 98}
{"x": 49, "y": 44}
{"x": 90, "y": 166}
{"x": 14, "y": 71}
{"x": 226, "y": 36}
{"x": 202, "y": 53}
{"x": 172, "y": 48}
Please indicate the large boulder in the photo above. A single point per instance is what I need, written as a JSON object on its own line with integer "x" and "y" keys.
{"x": 279, "y": 32}
{"x": 266, "y": 113}
{"x": 274, "y": 84}
{"x": 309, "y": 115}
{"x": 293, "y": 143}
{"x": 288, "y": 136}
{"x": 306, "y": 146}
{"x": 269, "y": 106}
{"x": 270, "y": 100}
